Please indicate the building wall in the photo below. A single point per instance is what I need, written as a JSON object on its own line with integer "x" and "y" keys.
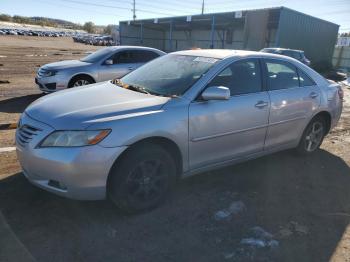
{"x": 315, "y": 36}
{"x": 131, "y": 35}
{"x": 280, "y": 27}
{"x": 256, "y": 30}
{"x": 182, "y": 40}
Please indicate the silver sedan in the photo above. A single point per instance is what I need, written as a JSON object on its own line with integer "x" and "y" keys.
{"x": 181, "y": 114}
{"x": 105, "y": 64}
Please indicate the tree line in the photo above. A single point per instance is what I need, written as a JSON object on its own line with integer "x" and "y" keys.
{"x": 89, "y": 27}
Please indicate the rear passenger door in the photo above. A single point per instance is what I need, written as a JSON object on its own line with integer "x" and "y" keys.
{"x": 294, "y": 97}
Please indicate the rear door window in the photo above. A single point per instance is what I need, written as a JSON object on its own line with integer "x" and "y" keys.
{"x": 144, "y": 56}
{"x": 124, "y": 57}
{"x": 134, "y": 56}
{"x": 281, "y": 75}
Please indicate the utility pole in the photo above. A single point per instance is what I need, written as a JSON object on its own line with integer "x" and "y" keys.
{"x": 202, "y": 7}
{"x": 134, "y": 9}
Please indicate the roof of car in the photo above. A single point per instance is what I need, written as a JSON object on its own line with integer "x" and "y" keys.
{"x": 226, "y": 53}
{"x": 282, "y": 49}
{"x": 113, "y": 48}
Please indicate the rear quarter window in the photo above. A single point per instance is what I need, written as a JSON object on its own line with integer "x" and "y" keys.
{"x": 304, "y": 79}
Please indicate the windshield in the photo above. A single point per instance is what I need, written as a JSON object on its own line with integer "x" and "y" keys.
{"x": 169, "y": 75}
{"x": 96, "y": 56}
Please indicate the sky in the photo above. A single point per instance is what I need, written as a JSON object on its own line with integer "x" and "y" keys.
{"x": 103, "y": 12}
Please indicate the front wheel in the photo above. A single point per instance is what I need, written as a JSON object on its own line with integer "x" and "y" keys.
{"x": 80, "y": 81}
{"x": 142, "y": 179}
{"x": 312, "y": 137}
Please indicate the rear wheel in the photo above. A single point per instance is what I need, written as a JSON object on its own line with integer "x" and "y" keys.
{"x": 142, "y": 179}
{"x": 313, "y": 136}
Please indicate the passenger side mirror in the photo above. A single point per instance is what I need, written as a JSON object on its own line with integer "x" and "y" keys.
{"x": 109, "y": 62}
{"x": 216, "y": 93}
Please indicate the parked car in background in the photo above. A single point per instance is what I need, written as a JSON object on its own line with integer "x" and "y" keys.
{"x": 103, "y": 41}
{"x": 181, "y": 114}
{"x": 105, "y": 64}
{"x": 296, "y": 54}
{"x": 29, "y": 32}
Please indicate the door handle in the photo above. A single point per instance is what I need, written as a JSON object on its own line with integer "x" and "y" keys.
{"x": 261, "y": 104}
{"x": 313, "y": 95}
{"x": 130, "y": 68}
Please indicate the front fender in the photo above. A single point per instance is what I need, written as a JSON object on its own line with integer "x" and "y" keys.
{"x": 129, "y": 129}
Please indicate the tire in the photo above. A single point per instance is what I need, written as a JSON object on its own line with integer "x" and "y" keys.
{"x": 80, "y": 81}
{"x": 142, "y": 179}
{"x": 312, "y": 137}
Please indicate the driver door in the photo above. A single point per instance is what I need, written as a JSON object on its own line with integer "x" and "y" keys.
{"x": 221, "y": 130}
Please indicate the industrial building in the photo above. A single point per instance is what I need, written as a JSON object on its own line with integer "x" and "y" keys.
{"x": 248, "y": 30}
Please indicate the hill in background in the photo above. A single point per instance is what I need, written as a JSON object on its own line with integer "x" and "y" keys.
{"x": 60, "y": 23}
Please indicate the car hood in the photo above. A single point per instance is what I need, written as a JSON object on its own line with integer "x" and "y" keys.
{"x": 65, "y": 64}
{"x": 78, "y": 108}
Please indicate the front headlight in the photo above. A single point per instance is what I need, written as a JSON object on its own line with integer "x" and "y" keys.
{"x": 47, "y": 72}
{"x": 74, "y": 138}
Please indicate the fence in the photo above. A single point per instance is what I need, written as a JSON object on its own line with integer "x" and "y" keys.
{"x": 341, "y": 57}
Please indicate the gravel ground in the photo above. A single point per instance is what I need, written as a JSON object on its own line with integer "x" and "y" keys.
{"x": 277, "y": 208}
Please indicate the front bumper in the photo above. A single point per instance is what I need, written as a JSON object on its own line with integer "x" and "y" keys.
{"x": 78, "y": 172}
{"x": 51, "y": 83}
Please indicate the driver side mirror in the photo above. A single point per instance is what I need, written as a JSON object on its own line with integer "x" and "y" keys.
{"x": 216, "y": 93}
{"x": 109, "y": 62}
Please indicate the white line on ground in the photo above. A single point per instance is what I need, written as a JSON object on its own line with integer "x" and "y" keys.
{"x": 7, "y": 149}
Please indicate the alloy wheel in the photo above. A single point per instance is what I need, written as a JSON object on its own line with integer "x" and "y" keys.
{"x": 314, "y": 137}
{"x": 147, "y": 181}
{"x": 81, "y": 82}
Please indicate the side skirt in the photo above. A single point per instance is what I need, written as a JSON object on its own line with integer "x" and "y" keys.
{"x": 237, "y": 160}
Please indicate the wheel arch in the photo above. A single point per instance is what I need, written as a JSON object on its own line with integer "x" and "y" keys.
{"x": 81, "y": 75}
{"x": 327, "y": 117}
{"x": 166, "y": 143}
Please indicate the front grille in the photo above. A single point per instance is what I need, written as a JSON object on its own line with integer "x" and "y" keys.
{"x": 25, "y": 134}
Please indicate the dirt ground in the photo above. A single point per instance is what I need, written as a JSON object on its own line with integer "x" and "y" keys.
{"x": 277, "y": 208}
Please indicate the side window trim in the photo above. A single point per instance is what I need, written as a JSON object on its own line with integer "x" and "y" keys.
{"x": 263, "y": 74}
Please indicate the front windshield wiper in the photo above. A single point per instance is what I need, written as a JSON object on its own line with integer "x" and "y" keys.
{"x": 117, "y": 82}
{"x": 136, "y": 88}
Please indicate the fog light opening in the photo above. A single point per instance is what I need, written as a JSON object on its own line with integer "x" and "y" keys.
{"x": 57, "y": 184}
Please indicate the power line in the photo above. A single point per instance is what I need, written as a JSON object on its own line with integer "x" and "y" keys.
{"x": 161, "y": 5}
{"x": 86, "y": 10}
{"x": 165, "y": 8}
{"x": 116, "y": 7}
{"x": 178, "y": 2}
